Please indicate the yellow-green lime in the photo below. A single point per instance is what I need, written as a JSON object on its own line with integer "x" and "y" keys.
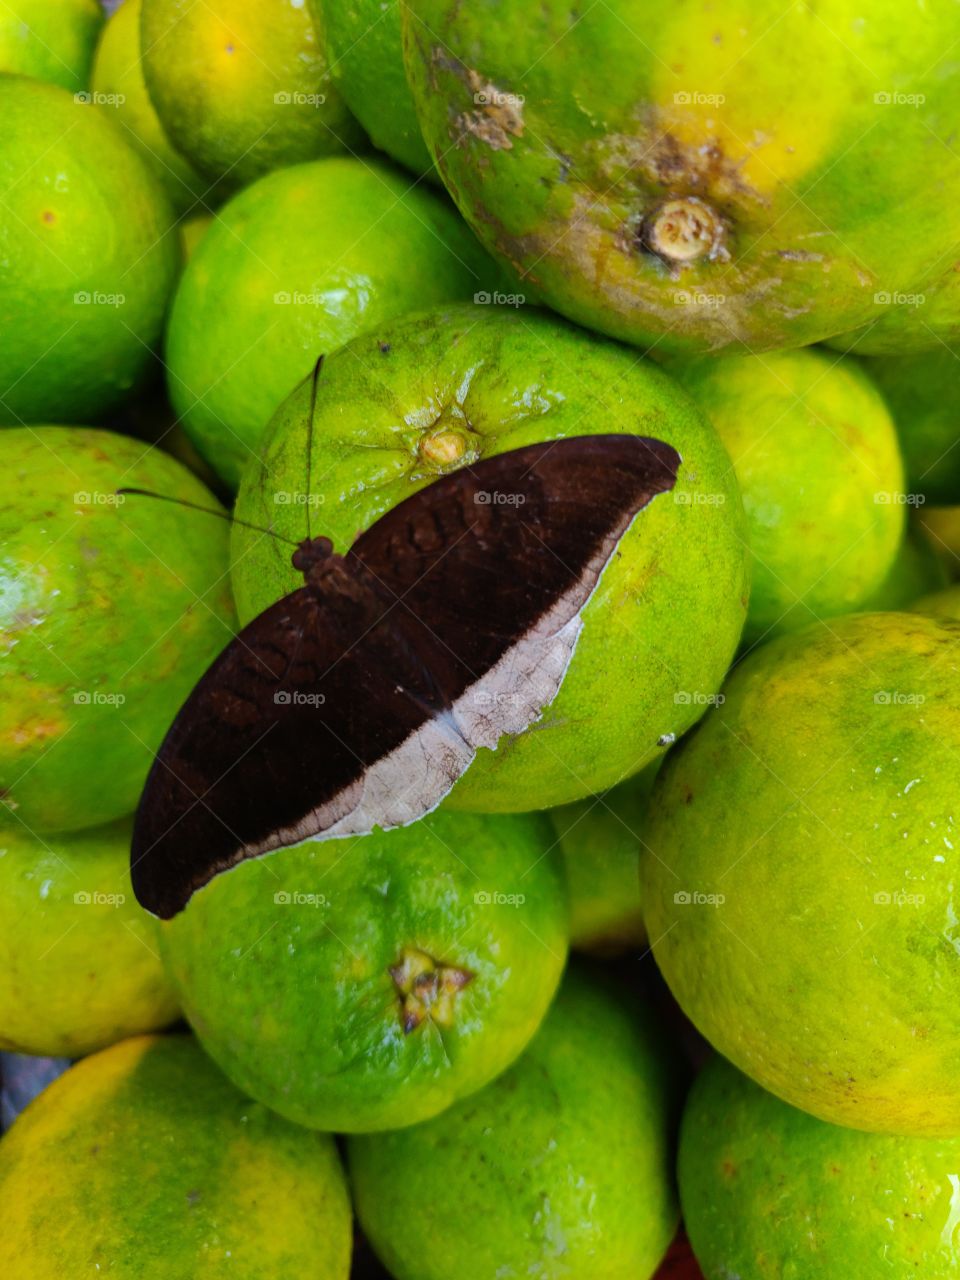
{"x": 368, "y": 983}
{"x": 916, "y": 570}
{"x": 800, "y": 879}
{"x": 143, "y": 1163}
{"x": 816, "y": 454}
{"x": 88, "y": 257}
{"x": 79, "y": 957}
{"x": 51, "y": 40}
{"x": 242, "y": 88}
{"x": 560, "y": 1169}
{"x": 293, "y": 267}
{"x": 770, "y": 1193}
{"x": 110, "y": 611}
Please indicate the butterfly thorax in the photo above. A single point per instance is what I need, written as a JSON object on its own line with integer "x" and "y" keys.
{"x": 315, "y": 559}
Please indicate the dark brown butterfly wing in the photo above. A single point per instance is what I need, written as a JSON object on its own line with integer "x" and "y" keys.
{"x": 358, "y": 702}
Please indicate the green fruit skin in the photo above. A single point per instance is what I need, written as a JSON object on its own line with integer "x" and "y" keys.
{"x": 770, "y": 1193}
{"x": 913, "y": 322}
{"x": 118, "y": 74}
{"x": 561, "y": 1168}
{"x": 816, "y": 455}
{"x": 916, "y": 571}
{"x": 366, "y": 61}
{"x": 83, "y": 218}
{"x": 51, "y": 40}
{"x": 600, "y": 839}
{"x": 664, "y": 621}
{"x": 827, "y": 196}
{"x": 818, "y": 801}
{"x": 79, "y": 956}
{"x": 923, "y": 396}
{"x": 143, "y": 1163}
{"x": 109, "y": 614}
{"x": 294, "y": 997}
{"x": 350, "y": 244}
{"x": 241, "y": 88}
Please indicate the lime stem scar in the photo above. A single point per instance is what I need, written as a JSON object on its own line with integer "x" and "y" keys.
{"x": 682, "y": 230}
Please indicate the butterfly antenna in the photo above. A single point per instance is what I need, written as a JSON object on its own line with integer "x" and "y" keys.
{"x": 317, "y": 369}
{"x": 207, "y": 511}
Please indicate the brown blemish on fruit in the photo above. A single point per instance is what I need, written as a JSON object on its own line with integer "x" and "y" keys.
{"x": 427, "y": 989}
{"x": 497, "y": 116}
{"x": 728, "y": 1168}
{"x": 683, "y": 230}
{"x": 49, "y": 216}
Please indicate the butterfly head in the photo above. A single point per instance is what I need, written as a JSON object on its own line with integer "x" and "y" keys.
{"x": 314, "y": 558}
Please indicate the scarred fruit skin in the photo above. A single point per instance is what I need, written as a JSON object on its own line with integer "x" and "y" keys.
{"x": 368, "y": 983}
{"x": 770, "y": 1193}
{"x": 427, "y": 393}
{"x": 799, "y": 874}
{"x": 560, "y": 1169}
{"x": 143, "y": 1163}
{"x": 732, "y": 175}
{"x": 110, "y": 611}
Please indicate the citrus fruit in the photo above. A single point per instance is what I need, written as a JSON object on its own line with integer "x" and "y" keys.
{"x": 911, "y": 322}
{"x": 368, "y": 983}
{"x": 816, "y": 454}
{"x": 110, "y": 610}
{"x": 921, "y": 391}
{"x": 292, "y": 268}
{"x": 143, "y": 1163}
{"x": 118, "y": 85}
{"x": 366, "y": 62}
{"x": 562, "y": 1167}
{"x": 88, "y": 257}
{"x": 916, "y": 570}
{"x": 769, "y": 1192}
{"x": 939, "y": 604}
{"x": 941, "y": 528}
{"x": 417, "y": 397}
{"x": 79, "y": 957}
{"x": 599, "y": 840}
{"x": 242, "y": 88}
{"x": 696, "y": 177}
{"x": 799, "y": 884}
{"x": 50, "y": 40}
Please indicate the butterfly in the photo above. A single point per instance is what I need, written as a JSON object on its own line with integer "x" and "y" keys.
{"x": 360, "y": 698}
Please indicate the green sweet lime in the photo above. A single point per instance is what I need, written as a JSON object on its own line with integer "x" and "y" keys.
{"x": 368, "y": 983}
{"x": 118, "y": 86}
{"x": 242, "y": 88}
{"x": 410, "y": 400}
{"x": 292, "y": 268}
{"x": 816, "y": 455}
{"x": 922, "y": 392}
{"x": 79, "y": 956}
{"x": 51, "y": 40}
{"x": 770, "y": 1193}
{"x": 698, "y": 176}
{"x": 143, "y": 1163}
{"x": 600, "y": 839}
{"x": 800, "y": 880}
{"x": 110, "y": 610}
{"x": 560, "y": 1169}
{"x": 88, "y": 257}
{"x": 366, "y": 62}
{"x": 917, "y": 321}
{"x": 916, "y": 571}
